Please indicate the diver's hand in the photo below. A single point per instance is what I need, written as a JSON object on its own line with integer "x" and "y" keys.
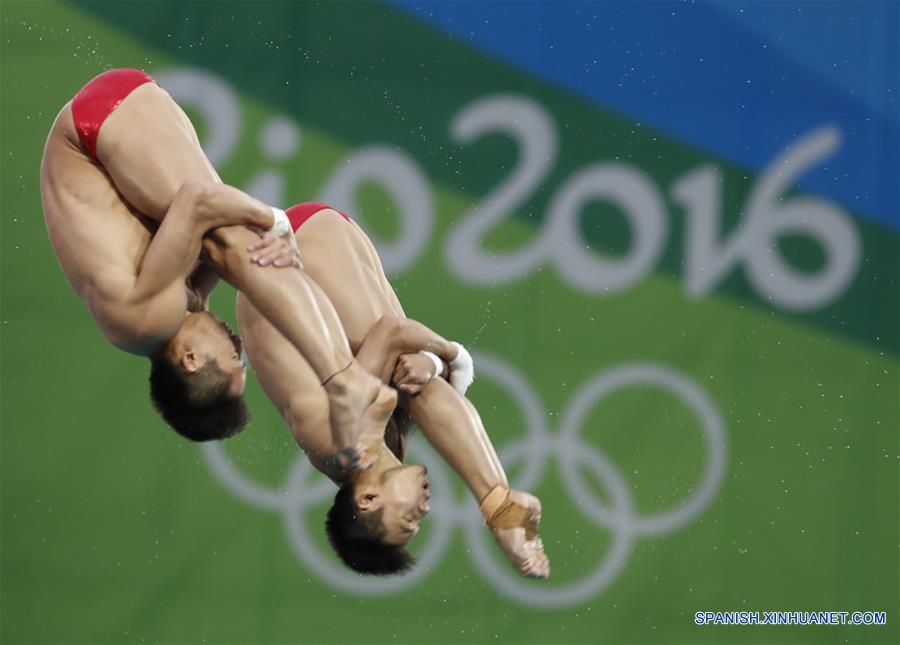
{"x": 412, "y": 373}
{"x": 274, "y": 250}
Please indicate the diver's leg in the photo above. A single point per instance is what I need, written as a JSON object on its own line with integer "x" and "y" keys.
{"x": 451, "y": 424}
{"x": 300, "y": 310}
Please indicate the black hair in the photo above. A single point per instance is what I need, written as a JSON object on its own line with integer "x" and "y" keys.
{"x": 196, "y": 405}
{"x": 358, "y": 538}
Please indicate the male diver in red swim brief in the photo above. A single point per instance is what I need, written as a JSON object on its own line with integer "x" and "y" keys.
{"x": 130, "y": 203}
{"x": 378, "y": 507}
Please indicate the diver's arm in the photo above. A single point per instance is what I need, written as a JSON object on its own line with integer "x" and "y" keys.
{"x": 393, "y": 336}
{"x": 197, "y": 208}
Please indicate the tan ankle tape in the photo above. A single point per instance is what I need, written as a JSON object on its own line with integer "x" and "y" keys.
{"x": 343, "y": 369}
{"x": 492, "y": 501}
{"x": 500, "y": 512}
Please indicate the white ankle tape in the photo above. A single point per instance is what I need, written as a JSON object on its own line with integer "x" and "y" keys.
{"x": 438, "y": 363}
{"x": 282, "y": 225}
{"x": 462, "y": 370}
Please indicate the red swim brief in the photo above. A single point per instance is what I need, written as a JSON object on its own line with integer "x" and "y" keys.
{"x": 299, "y": 213}
{"x": 97, "y": 100}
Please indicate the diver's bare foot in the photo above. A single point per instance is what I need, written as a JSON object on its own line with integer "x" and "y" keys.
{"x": 351, "y": 393}
{"x": 375, "y": 418}
{"x": 372, "y": 426}
{"x": 524, "y": 548}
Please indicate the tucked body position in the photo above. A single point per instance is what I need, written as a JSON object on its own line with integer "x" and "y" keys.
{"x": 379, "y": 505}
{"x": 131, "y": 203}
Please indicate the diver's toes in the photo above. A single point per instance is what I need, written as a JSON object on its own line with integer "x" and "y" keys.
{"x": 545, "y": 567}
{"x": 538, "y": 571}
{"x": 542, "y": 563}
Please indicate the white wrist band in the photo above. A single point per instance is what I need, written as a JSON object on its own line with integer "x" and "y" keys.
{"x": 282, "y": 225}
{"x": 438, "y": 363}
{"x": 462, "y": 370}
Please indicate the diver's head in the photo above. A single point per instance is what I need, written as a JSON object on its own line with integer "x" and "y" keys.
{"x": 197, "y": 380}
{"x": 375, "y": 516}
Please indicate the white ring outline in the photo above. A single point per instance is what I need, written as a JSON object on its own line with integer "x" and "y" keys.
{"x": 593, "y": 393}
{"x": 538, "y": 444}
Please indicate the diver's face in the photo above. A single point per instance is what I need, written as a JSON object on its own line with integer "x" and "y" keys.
{"x": 402, "y": 494}
{"x": 204, "y": 338}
